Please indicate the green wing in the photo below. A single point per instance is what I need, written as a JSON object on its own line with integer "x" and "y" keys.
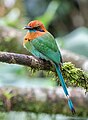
{"x": 29, "y": 46}
{"x": 47, "y": 46}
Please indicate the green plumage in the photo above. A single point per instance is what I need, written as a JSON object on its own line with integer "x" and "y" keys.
{"x": 44, "y": 47}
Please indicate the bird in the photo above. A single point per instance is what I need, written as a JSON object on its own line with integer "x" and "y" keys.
{"x": 41, "y": 43}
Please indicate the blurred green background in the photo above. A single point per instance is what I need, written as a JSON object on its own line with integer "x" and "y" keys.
{"x": 67, "y": 20}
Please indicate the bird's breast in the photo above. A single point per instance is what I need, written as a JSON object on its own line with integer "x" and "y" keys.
{"x": 32, "y": 35}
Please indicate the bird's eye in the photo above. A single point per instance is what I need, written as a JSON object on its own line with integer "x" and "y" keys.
{"x": 38, "y": 29}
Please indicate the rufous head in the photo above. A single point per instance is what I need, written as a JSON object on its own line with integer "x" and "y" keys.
{"x": 36, "y": 25}
{"x": 35, "y": 29}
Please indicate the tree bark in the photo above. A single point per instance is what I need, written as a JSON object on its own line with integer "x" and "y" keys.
{"x": 73, "y": 76}
{"x": 22, "y": 59}
{"x": 42, "y": 100}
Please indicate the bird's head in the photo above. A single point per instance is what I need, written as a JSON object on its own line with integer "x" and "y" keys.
{"x": 35, "y": 29}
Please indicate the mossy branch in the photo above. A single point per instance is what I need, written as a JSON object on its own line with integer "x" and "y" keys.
{"x": 73, "y": 76}
{"x": 42, "y": 100}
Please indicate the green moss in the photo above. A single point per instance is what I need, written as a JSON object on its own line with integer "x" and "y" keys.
{"x": 8, "y": 95}
{"x": 74, "y": 76}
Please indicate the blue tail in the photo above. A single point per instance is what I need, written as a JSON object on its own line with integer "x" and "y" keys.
{"x": 64, "y": 88}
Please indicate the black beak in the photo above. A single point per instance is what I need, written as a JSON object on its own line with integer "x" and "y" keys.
{"x": 27, "y": 27}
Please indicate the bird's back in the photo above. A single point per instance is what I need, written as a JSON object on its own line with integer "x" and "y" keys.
{"x": 46, "y": 45}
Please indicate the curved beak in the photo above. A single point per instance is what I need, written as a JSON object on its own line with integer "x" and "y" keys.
{"x": 27, "y": 27}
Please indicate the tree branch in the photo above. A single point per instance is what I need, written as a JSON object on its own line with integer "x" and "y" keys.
{"x": 22, "y": 59}
{"x": 49, "y": 100}
{"x": 73, "y": 76}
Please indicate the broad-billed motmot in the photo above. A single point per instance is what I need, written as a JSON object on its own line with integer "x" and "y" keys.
{"x": 42, "y": 44}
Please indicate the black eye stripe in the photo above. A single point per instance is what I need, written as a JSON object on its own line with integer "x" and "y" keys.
{"x": 38, "y": 29}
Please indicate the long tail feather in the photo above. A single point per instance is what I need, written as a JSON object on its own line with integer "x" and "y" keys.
{"x": 64, "y": 88}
